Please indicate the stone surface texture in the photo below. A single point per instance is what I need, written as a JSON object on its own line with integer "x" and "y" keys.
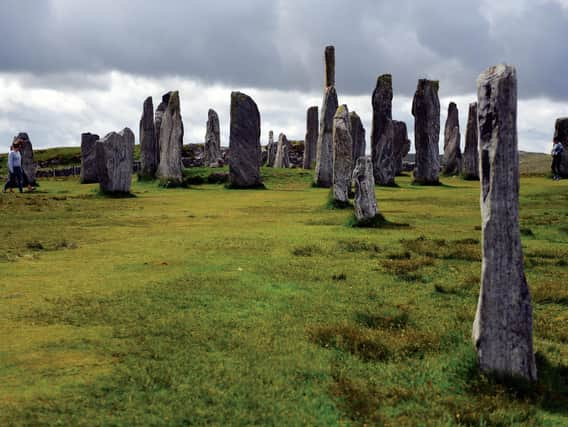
{"x": 365, "y": 201}
{"x": 89, "y": 173}
{"x": 323, "y": 176}
{"x": 311, "y": 139}
{"x": 342, "y": 155}
{"x": 170, "y": 169}
{"x": 212, "y": 148}
{"x": 282, "y": 152}
{"x": 149, "y": 150}
{"x": 400, "y": 145}
{"x": 470, "y": 166}
{"x": 115, "y": 155}
{"x": 382, "y": 133}
{"x": 452, "y": 139}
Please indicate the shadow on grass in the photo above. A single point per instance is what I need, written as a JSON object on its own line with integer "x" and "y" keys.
{"x": 378, "y": 221}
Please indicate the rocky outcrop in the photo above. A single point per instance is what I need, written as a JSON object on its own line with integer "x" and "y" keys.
{"x": 324, "y": 157}
{"x": 170, "y": 169}
{"x": 452, "y": 151}
{"x": 149, "y": 151}
{"x": 212, "y": 149}
{"x": 365, "y": 202}
{"x": 282, "y": 152}
{"x": 426, "y": 112}
{"x": 561, "y": 134}
{"x": 89, "y": 173}
{"x": 357, "y": 136}
{"x": 342, "y": 152}
{"x": 382, "y": 133}
{"x": 470, "y": 166}
{"x": 400, "y": 145}
{"x": 503, "y": 327}
{"x": 244, "y": 143}
{"x": 311, "y": 140}
{"x": 27, "y": 153}
{"x": 115, "y": 154}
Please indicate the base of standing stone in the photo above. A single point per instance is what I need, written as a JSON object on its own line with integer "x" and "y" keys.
{"x": 116, "y": 194}
{"x": 416, "y": 181}
{"x": 470, "y": 177}
{"x": 231, "y": 186}
{"x": 333, "y": 203}
{"x": 173, "y": 184}
{"x": 377, "y": 221}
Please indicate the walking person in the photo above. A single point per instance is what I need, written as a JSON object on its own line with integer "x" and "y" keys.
{"x": 15, "y": 168}
{"x": 557, "y": 150}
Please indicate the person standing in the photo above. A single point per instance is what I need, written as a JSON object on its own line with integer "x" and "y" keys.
{"x": 557, "y": 150}
{"x": 15, "y": 168}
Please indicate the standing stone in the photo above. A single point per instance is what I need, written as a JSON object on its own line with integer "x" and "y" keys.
{"x": 271, "y": 150}
{"x": 426, "y": 112}
{"x": 158, "y": 119}
{"x": 170, "y": 170}
{"x": 357, "y": 136}
{"x": 244, "y": 142}
{"x": 27, "y": 153}
{"x": 561, "y": 134}
{"x": 149, "y": 150}
{"x": 115, "y": 155}
{"x": 282, "y": 152}
{"x": 311, "y": 139}
{"x": 470, "y": 168}
{"x": 452, "y": 151}
{"x": 329, "y": 67}
{"x": 365, "y": 200}
{"x": 503, "y": 327}
{"x": 324, "y": 158}
{"x": 382, "y": 133}
{"x": 212, "y": 149}
{"x": 400, "y": 146}
{"x": 342, "y": 152}
{"x": 89, "y": 173}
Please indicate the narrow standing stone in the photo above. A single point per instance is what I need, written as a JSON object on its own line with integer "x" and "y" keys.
{"x": 149, "y": 151}
{"x": 170, "y": 170}
{"x": 357, "y": 136}
{"x": 27, "y": 153}
{"x": 324, "y": 158}
{"x": 503, "y": 327}
{"x": 365, "y": 201}
{"x": 470, "y": 169}
{"x": 452, "y": 151}
{"x": 311, "y": 139}
{"x": 561, "y": 134}
{"x": 271, "y": 150}
{"x": 115, "y": 155}
{"x": 282, "y": 152}
{"x": 382, "y": 133}
{"x": 244, "y": 142}
{"x": 212, "y": 148}
{"x": 342, "y": 152}
{"x": 426, "y": 112}
{"x": 401, "y": 145}
{"x": 329, "y": 67}
{"x": 89, "y": 174}
{"x": 158, "y": 119}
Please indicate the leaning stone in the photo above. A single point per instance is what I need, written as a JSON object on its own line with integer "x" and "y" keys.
{"x": 452, "y": 151}
{"x": 311, "y": 139}
{"x": 366, "y": 208}
{"x": 244, "y": 142}
{"x": 323, "y": 176}
{"x": 115, "y": 155}
{"x": 27, "y": 153}
{"x": 170, "y": 170}
{"x": 400, "y": 145}
{"x": 149, "y": 150}
{"x": 561, "y": 134}
{"x": 342, "y": 152}
{"x": 212, "y": 148}
{"x": 426, "y": 112}
{"x": 329, "y": 67}
{"x": 271, "y": 150}
{"x": 89, "y": 158}
{"x": 470, "y": 168}
{"x": 357, "y": 136}
{"x": 503, "y": 327}
{"x": 382, "y": 133}
{"x": 282, "y": 152}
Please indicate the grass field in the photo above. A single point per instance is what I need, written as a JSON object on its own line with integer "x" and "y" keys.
{"x": 231, "y": 307}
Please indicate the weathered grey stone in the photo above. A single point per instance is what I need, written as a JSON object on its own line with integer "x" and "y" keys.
{"x": 323, "y": 176}
{"x": 89, "y": 173}
{"x": 159, "y": 115}
{"x": 365, "y": 201}
{"x": 212, "y": 148}
{"x": 115, "y": 154}
{"x": 329, "y": 67}
{"x": 342, "y": 155}
{"x": 244, "y": 142}
{"x": 27, "y": 153}
{"x": 470, "y": 167}
{"x": 503, "y": 327}
{"x": 426, "y": 112}
{"x": 170, "y": 169}
{"x": 561, "y": 134}
{"x": 282, "y": 152}
{"x": 149, "y": 150}
{"x": 271, "y": 150}
{"x": 311, "y": 139}
{"x": 452, "y": 137}
{"x": 382, "y": 132}
{"x": 400, "y": 145}
{"x": 357, "y": 136}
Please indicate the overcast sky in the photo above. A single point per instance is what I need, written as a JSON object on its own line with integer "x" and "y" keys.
{"x": 72, "y": 66}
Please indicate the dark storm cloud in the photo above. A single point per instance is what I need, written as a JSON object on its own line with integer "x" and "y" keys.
{"x": 278, "y": 44}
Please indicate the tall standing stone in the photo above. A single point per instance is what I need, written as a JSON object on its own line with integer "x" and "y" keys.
{"x": 342, "y": 155}
{"x": 27, "y": 153}
{"x": 244, "y": 142}
{"x": 271, "y": 150}
{"x": 170, "y": 170}
{"x": 426, "y": 112}
{"x": 311, "y": 139}
{"x": 470, "y": 167}
{"x": 329, "y": 67}
{"x": 159, "y": 115}
{"x": 149, "y": 151}
{"x": 503, "y": 327}
{"x": 452, "y": 137}
{"x": 324, "y": 157}
{"x": 365, "y": 201}
{"x": 282, "y": 152}
{"x": 401, "y": 145}
{"x": 212, "y": 148}
{"x": 115, "y": 155}
{"x": 89, "y": 173}
{"x": 561, "y": 135}
{"x": 382, "y": 133}
{"x": 357, "y": 136}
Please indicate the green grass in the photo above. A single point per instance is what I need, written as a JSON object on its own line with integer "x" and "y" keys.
{"x": 204, "y": 305}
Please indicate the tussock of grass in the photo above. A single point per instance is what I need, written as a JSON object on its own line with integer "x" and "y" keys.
{"x": 407, "y": 269}
{"x": 550, "y": 291}
{"x": 465, "y": 249}
{"x": 358, "y": 246}
{"x": 307, "y": 251}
